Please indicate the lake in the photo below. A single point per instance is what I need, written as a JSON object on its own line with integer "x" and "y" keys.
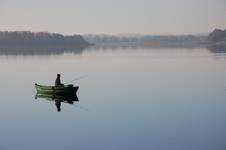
{"x": 129, "y": 98}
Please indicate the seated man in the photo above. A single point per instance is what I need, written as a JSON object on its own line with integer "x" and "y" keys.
{"x": 58, "y": 81}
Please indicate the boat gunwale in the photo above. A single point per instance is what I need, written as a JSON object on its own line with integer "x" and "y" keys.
{"x": 56, "y": 88}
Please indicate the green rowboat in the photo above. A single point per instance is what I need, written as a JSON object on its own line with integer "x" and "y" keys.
{"x": 56, "y": 90}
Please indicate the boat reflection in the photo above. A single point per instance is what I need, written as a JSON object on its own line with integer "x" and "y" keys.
{"x": 58, "y": 99}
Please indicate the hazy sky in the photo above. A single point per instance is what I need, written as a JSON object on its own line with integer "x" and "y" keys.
{"x": 113, "y": 16}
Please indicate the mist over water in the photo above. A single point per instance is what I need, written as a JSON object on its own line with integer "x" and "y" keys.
{"x": 142, "y": 98}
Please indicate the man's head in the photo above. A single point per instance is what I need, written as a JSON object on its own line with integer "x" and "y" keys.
{"x": 58, "y": 75}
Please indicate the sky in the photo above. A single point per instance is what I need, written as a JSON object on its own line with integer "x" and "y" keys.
{"x": 113, "y": 16}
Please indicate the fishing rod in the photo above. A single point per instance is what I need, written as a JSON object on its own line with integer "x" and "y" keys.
{"x": 78, "y": 78}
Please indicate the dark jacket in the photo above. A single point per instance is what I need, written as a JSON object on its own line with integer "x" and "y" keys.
{"x": 58, "y": 82}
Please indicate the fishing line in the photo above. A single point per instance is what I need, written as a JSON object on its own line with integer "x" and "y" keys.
{"x": 80, "y": 107}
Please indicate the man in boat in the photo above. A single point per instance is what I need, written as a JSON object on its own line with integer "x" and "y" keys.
{"x": 58, "y": 81}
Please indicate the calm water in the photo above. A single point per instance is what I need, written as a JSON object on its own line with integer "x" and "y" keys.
{"x": 159, "y": 99}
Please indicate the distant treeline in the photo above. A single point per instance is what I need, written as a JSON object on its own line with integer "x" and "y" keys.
{"x": 40, "y": 39}
{"x": 44, "y": 43}
{"x": 217, "y": 36}
{"x": 146, "y": 40}
{"x": 215, "y": 41}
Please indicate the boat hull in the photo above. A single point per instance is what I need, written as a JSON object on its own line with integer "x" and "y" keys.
{"x": 57, "y": 90}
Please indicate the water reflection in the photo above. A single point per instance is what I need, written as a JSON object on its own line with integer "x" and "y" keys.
{"x": 57, "y": 50}
{"x": 116, "y": 46}
{"x": 212, "y": 48}
{"x": 217, "y": 48}
{"x": 58, "y": 99}
{"x": 40, "y": 50}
